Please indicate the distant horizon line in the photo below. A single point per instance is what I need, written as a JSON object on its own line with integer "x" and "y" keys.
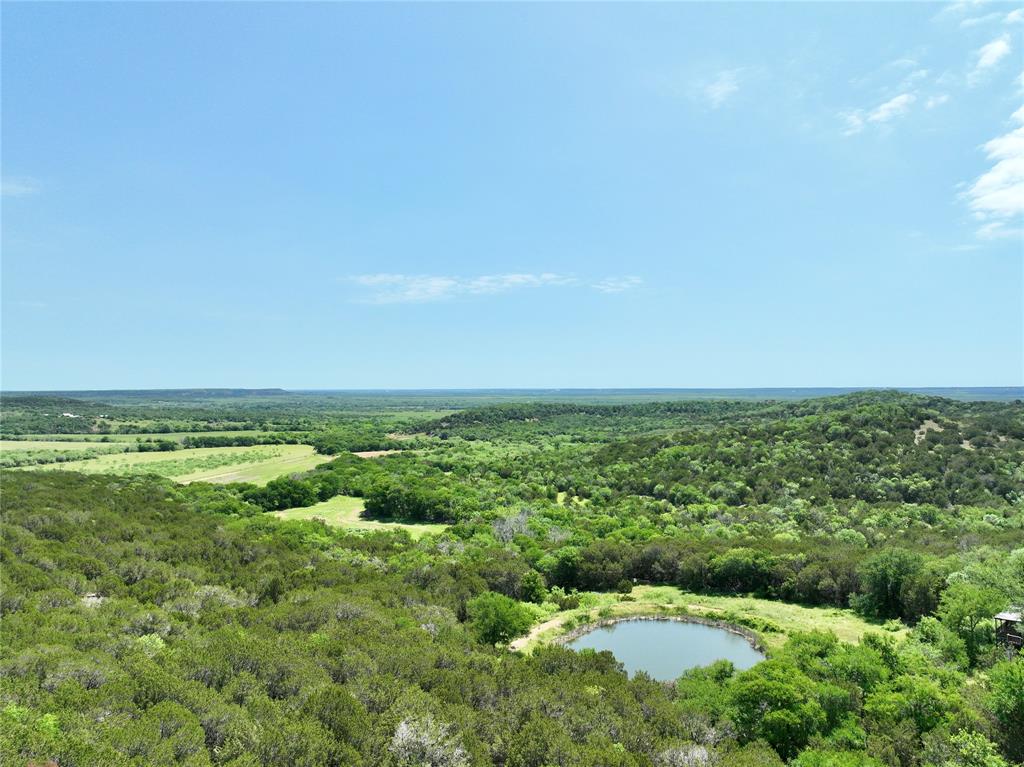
{"x": 414, "y": 389}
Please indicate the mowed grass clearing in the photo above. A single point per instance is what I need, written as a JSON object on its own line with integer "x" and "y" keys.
{"x": 173, "y": 436}
{"x": 258, "y": 464}
{"x": 346, "y": 512}
{"x": 668, "y": 600}
{"x": 17, "y": 445}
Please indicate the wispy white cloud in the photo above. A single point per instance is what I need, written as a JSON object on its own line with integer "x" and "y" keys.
{"x": 386, "y": 288}
{"x": 418, "y": 288}
{"x": 19, "y": 187}
{"x": 914, "y": 77}
{"x": 897, "y": 106}
{"x": 616, "y": 284}
{"x": 996, "y": 198}
{"x": 1014, "y": 17}
{"x": 988, "y": 58}
{"x": 958, "y": 8}
{"x": 723, "y": 87}
{"x": 974, "y": 21}
{"x": 857, "y": 119}
{"x": 423, "y": 288}
{"x": 936, "y": 101}
{"x": 854, "y": 120}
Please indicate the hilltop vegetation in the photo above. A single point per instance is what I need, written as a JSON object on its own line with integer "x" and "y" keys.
{"x": 149, "y": 623}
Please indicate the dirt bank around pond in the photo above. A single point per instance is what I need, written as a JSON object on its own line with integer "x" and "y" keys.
{"x": 576, "y": 633}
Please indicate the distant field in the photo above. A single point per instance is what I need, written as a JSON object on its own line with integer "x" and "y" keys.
{"x": 57, "y": 445}
{"x": 344, "y": 511}
{"x": 652, "y": 600}
{"x": 176, "y": 436}
{"x": 18, "y": 453}
{"x": 258, "y": 464}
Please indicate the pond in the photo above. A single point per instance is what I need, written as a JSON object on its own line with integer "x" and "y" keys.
{"x": 665, "y": 649}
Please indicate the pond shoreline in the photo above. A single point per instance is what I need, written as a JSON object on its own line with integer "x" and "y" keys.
{"x": 751, "y": 636}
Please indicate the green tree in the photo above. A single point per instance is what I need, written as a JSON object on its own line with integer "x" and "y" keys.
{"x": 971, "y": 749}
{"x": 831, "y": 758}
{"x": 775, "y": 701}
{"x": 496, "y": 618}
{"x": 883, "y": 578}
{"x": 1006, "y": 702}
{"x": 533, "y": 587}
{"x": 967, "y": 610}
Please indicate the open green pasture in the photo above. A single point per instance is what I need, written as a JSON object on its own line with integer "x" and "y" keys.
{"x": 258, "y": 464}
{"x": 21, "y": 445}
{"x": 346, "y": 511}
{"x": 175, "y": 436}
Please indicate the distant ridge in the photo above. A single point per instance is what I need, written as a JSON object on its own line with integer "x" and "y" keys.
{"x": 154, "y": 393}
{"x": 965, "y": 393}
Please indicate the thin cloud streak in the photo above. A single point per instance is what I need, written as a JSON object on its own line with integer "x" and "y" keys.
{"x": 885, "y": 112}
{"x": 894, "y": 107}
{"x": 617, "y": 284}
{"x": 386, "y": 288}
{"x": 19, "y": 187}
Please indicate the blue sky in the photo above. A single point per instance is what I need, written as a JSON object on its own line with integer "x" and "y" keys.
{"x": 459, "y": 195}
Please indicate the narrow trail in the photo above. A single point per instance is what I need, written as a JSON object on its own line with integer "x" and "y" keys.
{"x": 521, "y": 642}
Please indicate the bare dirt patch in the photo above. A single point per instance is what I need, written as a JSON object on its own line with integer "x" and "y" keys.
{"x": 922, "y": 431}
{"x": 521, "y": 642}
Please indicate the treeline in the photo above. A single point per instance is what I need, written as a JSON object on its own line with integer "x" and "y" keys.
{"x": 354, "y": 437}
{"x": 891, "y": 582}
{"x": 393, "y": 487}
{"x": 243, "y": 440}
{"x": 986, "y": 420}
{"x": 871, "y": 451}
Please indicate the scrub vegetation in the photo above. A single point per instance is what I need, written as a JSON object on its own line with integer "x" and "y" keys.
{"x": 398, "y": 609}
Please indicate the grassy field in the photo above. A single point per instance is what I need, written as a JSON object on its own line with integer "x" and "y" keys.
{"x": 176, "y": 436}
{"x": 258, "y": 464}
{"x": 19, "y": 453}
{"x": 774, "y": 621}
{"x": 55, "y": 445}
{"x": 345, "y": 511}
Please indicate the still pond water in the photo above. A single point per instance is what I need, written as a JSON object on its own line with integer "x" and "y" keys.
{"x": 665, "y": 649}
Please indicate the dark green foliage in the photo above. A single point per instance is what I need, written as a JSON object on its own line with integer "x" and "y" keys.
{"x": 496, "y": 618}
{"x": 885, "y": 578}
{"x": 776, "y": 702}
{"x": 1006, "y": 702}
{"x": 967, "y": 610}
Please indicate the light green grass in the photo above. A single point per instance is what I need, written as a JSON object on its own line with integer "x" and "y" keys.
{"x": 18, "y": 445}
{"x": 258, "y": 464}
{"x": 23, "y": 453}
{"x": 654, "y": 600}
{"x": 346, "y": 511}
{"x": 176, "y": 436}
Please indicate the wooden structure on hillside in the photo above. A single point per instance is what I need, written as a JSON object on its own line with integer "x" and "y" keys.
{"x": 1010, "y": 630}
